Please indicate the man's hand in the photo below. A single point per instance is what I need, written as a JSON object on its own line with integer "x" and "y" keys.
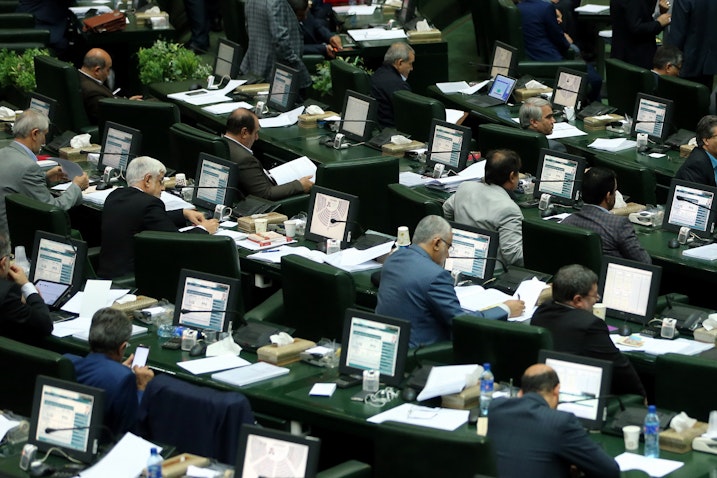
{"x": 516, "y": 307}
{"x": 56, "y": 175}
{"x": 144, "y": 375}
{"x": 330, "y": 52}
{"x": 136, "y": 97}
{"x": 664, "y": 19}
{"x": 193, "y": 216}
{"x": 664, "y": 6}
{"x": 335, "y": 42}
{"x": 17, "y": 275}
{"x": 211, "y": 225}
{"x": 83, "y": 182}
{"x": 306, "y": 183}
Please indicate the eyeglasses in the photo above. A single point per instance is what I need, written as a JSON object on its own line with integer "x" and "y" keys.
{"x": 596, "y": 296}
{"x": 11, "y": 257}
{"x": 449, "y": 244}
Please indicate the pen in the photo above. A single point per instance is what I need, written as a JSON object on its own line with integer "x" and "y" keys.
{"x": 271, "y": 250}
{"x": 114, "y": 93}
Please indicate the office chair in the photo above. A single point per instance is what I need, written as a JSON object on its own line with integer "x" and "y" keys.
{"x": 413, "y": 114}
{"x": 17, "y": 20}
{"x": 691, "y": 100}
{"x": 234, "y": 21}
{"x": 672, "y": 369}
{"x": 624, "y": 81}
{"x": 547, "y": 246}
{"x": 347, "y": 469}
{"x": 526, "y": 143}
{"x": 23, "y": 364}
{"x": 368, "y": 179}
{"x": 186, "y": 142}
{"x": 26, "y": 215}
{"x": 633, "y": 180}
{"x": 345, "y": 76}
{"x": 152, "y": 118}
{"x": 23, "y": 38}
{"x": 406, "y": 207}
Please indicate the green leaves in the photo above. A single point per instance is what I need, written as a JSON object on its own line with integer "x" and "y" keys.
{"x": 19, "y": 70}
{"x": 322, "y": 80}
{"x": 169, "y": 62}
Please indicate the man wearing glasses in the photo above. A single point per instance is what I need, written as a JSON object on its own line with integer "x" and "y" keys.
{"x": 577, "y": 331}
{"x": 701, "y": 165}
{"x": 415, "y": 286}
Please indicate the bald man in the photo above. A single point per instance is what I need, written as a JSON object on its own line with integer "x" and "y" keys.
{"x": 531, "y": 438}
{"x": 94, "y": 73}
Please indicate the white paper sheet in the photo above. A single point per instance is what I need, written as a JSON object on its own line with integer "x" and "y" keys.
{"x": 655, "y": 467}
{"x": 203, "y": 96}
{"x": 350, "y": 257}
{"x": 356, "y": 9}
{"x": 224, "y": 108}
{"x": 74, "y": 305}
{"x": 213, "y": 364}
{"x": 528, "y": 291}
{"x": 6, "y": 425}
{"x": 62, "y": 186}
{"x": 293, "y": 170}
{"x": 376, "y": 34}
{"x": 274, "y": 255}
{"x": 452, "y": 86}
{"x": 284, "y": 119}
{"x": 592, "y": 8}
{"x": 236, "y": 235}
{"x": 475, "y": 88}
{"x": 172, "y": 202}
{"x": 440, "y": 418}
{"x": 96, "y": 296}
{"x": 612, "y": 145}
{"x": 453, "y": 116}
{"x": 127, "y": 458}
{"x": 448, "y": 379}
{"x": 322, "y": 389}
{"x": 410, "y": 179}
{"x": 253, "y": 246}
{"x": 475, "y": 297}
{"x": 565, "y": 130}
{"x": 661, "y": 346}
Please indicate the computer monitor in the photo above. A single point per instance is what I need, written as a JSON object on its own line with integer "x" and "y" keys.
{"x": 407, "y": 11}
{"x": 120, "y": 145}
{"x": 479, "y": 247}
{"x": 570, "y": 86}
{"x": 214, "y": 182}
{"x": 690, "y": 205}
{"x": 58, "y": 259}
{"x": 332, "y": 215}
{"x": 229, "y": 56}
{"x": 505, "y": 60}
{"x": 43, "y": 104}
{"x": 560, "y": 175}
{"x": 264, "y": 452}
{"x": 284, "y": 89}
{"x": 629, "y": 289}
{"x": 374, "y": 342}
{"x": 584, "y": 385}
{"x": 68, "y": 416}
{"x": 653, "y": 116}
{"x": 359, "y": 116}
{"x": 217, "y": 296}
{"x": 448, "y": 144}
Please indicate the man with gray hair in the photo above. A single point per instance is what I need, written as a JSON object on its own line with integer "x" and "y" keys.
{"x": 138, "y": 208}
{"x": 416, "y": 287}
{"x": 536, "y": 114}
{"x": 391, "y": 77}
{"x": 19, "y": 172}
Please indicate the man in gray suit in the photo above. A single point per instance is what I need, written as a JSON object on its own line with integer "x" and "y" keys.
{"x": 19, "y": 172}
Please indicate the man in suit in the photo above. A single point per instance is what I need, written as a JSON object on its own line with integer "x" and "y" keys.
{"x": 274, "y": 37}
{"x": 242, "y": 131}
{"x": 634, "y": 30}
{"x": 692, "y": 31}
{"x": 531, "y": 438}
{"x": 545, "y": 39}
{"x": 616, "y": 232}
{"x": 390, "y": 77}
{"x": 577, "y": 331}
{"x": 318, "y": 39}
{"x": 19, "y": 172}
{"x": 536, "y": 114}
{"x": 667, "y": 61}
{"x": 23, "y": 314}
{"x": 701, "y": 165}
{"x": 488, "y": 204}
{"x": 415, "y": 286}
{"x": 138, "y": 208}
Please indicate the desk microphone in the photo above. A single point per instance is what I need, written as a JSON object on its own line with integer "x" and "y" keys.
{"x": 590, "y": 397}
{"x": 693, "y": 202}
{"x": 105, "y": 428}
{"x": 473, "y": 258}
{"x": 230, "y": 188}
{"x": 352, "y": 223}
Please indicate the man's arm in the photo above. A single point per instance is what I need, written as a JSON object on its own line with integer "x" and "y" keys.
{"x": 554, "y": 31}
{"x": 510, "y": 236}
{"x": 629, "y": 245}
{"x": 578, "y": 449}
{"x": 635, "y": 22}
{"x": 281, "y": 18}
{"x": 34, "y": 184}
{"x": 29, "y": 320}
{"x": 449, "y": 208}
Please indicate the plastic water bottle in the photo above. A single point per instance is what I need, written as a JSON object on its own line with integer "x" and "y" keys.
{"x": 21, "y": 259}
{"x": 486, "y": 389}
{"x": 154, "y": 464}
{"x": 652, "y": 433}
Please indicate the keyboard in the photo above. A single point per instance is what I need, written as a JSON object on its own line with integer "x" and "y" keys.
{"x": 61, "y": 315}
{"x": 368, "y": 241}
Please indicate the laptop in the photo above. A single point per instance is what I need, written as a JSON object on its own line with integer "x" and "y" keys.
{"x": 499, "y": 92}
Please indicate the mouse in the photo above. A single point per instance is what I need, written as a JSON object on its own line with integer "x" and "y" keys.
{"x": 200, "y": 348}
{"x": 409, "y": 394}
{"x": 673, "y": 244}
{"x": 101, "y": 186}
{"x": 195, "y": 86}
{"x": 625, "y": 331}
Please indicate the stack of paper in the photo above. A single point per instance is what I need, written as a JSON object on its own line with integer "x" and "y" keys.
{"x": 293, "y": 170}
{"x": 705, "y": 253}
{"x": 379, "y": 33}
{"x": 565, "y": 130}
{"x": 284, "y": 119}
{"x": 257, "y": 372}
{"x": 613, "y": 145}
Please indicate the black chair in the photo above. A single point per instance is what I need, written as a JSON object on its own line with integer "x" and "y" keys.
{"x": 675, "y": 369}
{"x": 526, "y": 143}
{"x": 406, "y": 207}
{"x": 633, "y": 180}
{"x": 186, "y": 142}
{"x": 691, "y": 100}
{"x": 26, "y": 215}
{"x": 624, "y": 81}
{"x": 345, "y": 76}
{"x": 413, "y": 114}
{"x": 547, "y": 246}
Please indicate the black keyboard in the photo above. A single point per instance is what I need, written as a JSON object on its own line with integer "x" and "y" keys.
{"x": 61, "y": 315}
{"x": 368, "y": 241}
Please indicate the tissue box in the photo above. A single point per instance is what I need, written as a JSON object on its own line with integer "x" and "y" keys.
{"x": 73, "y": 154}
{"x": 429, "y": 36}
{"x": 686, "y": 149}
{"x": 467, "y": 399}
{"x": 522, "y": 94}
{"x": 309, "y": 121}
{"x": 598, "y": 123}
{"x": 399, "y": 149}
{"x": 246, "y": 223}
{"x": 177, "y": 465}
{"x": 704, "y": 335}
{"x": 251, "y": 90}
{"x": 681, "y": 442}
{"x": 285, "y": 354}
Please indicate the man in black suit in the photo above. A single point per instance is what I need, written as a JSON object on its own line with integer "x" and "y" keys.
{"x": 138, "y": 208}
{"x": 701, "y": 165}
{"x": 531, "y": 438}
{"x": 634, "y": 30}
{"x": 391, "y": 77}
{"x": 693, "y": 32}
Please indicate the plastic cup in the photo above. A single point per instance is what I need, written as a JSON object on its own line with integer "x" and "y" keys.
{"x": 631, "y": 434}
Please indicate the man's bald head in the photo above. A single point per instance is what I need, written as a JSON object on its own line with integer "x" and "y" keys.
{"x": 97, "y": 63}
{"x": 243, "y": 126}
{"x": 543, "y": 380}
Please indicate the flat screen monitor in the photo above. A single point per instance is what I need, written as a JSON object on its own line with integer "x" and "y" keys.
{"x": 119, "y": 145}
{"x": 68, "y": 416}
{"x": 449, "y": 145}
{"x": 332, "y": 215}
{"x": 560, "y": 175}
{"x": 569, "y": 90}
{"x": 584, "y": 384}
{"x": 229, "y": 56}
{"x": 653, "y": 116}
{"x": 215, "y": 299}
{"x": 629, "y": 289}
{"x": 505, "y": 60}
{"x": 214, "y": 182}
{"x": 690, "y": 205}
{"x": 284, "y": 89}
{"x": 475, "y": 245}
{"x": 268, "y": 453}
{"x": 407, "y": 11}
{"x": 359, "y": 116}
{"x": 43, "y": 104}
{"x": 374, "y": 342}
{"x": 58, "y": 259}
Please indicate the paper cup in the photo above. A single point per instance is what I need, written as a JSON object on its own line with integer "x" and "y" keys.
{"x": 290, "y": 228}
{"x": 631, "y": 434}
{"x": 260, "y": 225}
{"x": 600, "y": 310}
{"x": 402, "y": 236}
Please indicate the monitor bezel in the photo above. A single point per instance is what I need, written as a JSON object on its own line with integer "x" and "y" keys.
{"x": 233, "y": 299}
{"x": 666, "y": 123}
{"x": 512, "y": 68}
{"x": 654, "y": 288}
{"x": 492, "y": 248}
{"x": 514, "y": 81}
{"x": 605, "y": 384}
{"x": 134, "y": 148}
{"x": 237, "y": 54}
{"x": 402, "y": 351}
{"x": 80, "y": 248}
{"x": 371, "y": 117}
{"x": 230, "y": 196}
{"x": 581, "y": 90}
{"x": 51, "y": 102}
{"x": 577, "y": 182}
{"x": 96, "y": 418}
{"x": 293, "y": 89}
{"x": 464, "y": 151}
{"x": 667, "y": 226}
{"x": 313, "y": 444}
{"x": 407, "y": 12}
{"x": 351, "y": 217}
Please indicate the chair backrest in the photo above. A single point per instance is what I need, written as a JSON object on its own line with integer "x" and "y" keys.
{"x": 691, "y": 100}
{"x": 235, "y": 21}
{"x": 413, "y": 113}
{"x": 524, "y": 142}
{"x": 673, "y": 369}
{"x": 547, "y": 246}
{"x": 368, "y": 179}
{"x": 406, "y": 207}
{"x": 509, "y": 347}
{"x": 152, "y": 118}
{"x": 23, "y": 364}
{"x": 186, "y": 142}
{"x": 316, "y": 297}
{"x": 17, "y": 20}
{"x": 624, "y": 82}
{"x": 403, "y": 450}
{"x": 508, "y": 25}
{"x": 634, "y": 180}
{"x": 26, "y": 215}
{"x": 58, "y": 80}
{"x": 25, "y": 35}
{"x": 345, "y": 76}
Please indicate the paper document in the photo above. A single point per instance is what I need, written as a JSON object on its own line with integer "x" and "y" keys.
{"x": 528, "y": 291}
{"x": 284, "y": 119}
{"x": 705, "y": 253}
{"x": 473, "y": 172}
{"x": 293, "y": 170}
{"x": 224, "y": 108}
{"x": 661, "y": 346}
{"x": 655, "y": 467}
{"x": 410, "y": 179}
{"x": 475, "y": 297}
{"x": 274, "y": 255}
{"x": 322, "y": 389}
{"x": 453, "y": 116}
{"x": 173, "y": 203}
{"x": 250, "y": 374}
{"x": 96, "y": 296}
{"x": 6, "y": 425}
{"x": 376, "y": 34}
{"x": 475, "y": 88}
{"x": 452, "y": 86}
{"x": 203, "y": 96}
{"x": 96, "y": 197}
{"x": 592, "y": 8}
{"x": 356, "y": 9}
{"x": 213, "y": 364}
{"x": 450, "y": 379}
{"x": 127, "y": 458}
{"x": 84, "y": 334}
{"x": 74, "y": 305}
{"x": 236, "y": 235}
{"x": 348, "y": 259}
{"x": 612, "y": 145}
{"x": 565, "y": 130}
{"x": 439, "y": 418}
{"x": 62, "y": 186}
{"x": 254, "y": 246}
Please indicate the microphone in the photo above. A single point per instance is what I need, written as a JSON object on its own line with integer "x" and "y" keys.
{"x": 353, "y": 223}
{"x": 230, "y": 188}
{"x": 105, "y": 428}
{"x": 217, "y": 311}
{"x": 693, "y": 202}
{"x": 589, "y": 397}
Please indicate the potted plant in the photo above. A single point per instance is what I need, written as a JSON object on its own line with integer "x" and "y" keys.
{"x": 17, "y": 74}
{"x": 321, "y": 81}
{"x": 166, "y": 61}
